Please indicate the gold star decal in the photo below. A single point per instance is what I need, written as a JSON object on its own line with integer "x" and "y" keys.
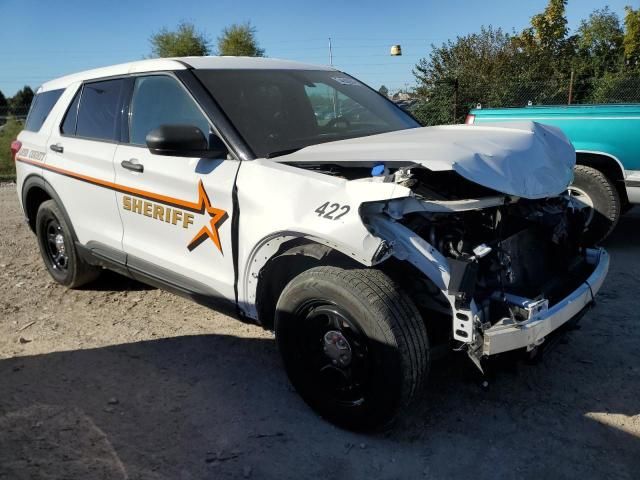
{"x": 218, "y": 217}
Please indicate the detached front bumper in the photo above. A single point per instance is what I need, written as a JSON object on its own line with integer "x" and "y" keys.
{"x": 508, "y": 335}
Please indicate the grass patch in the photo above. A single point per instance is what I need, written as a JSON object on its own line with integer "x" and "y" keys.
{"x": 8, "y": 134}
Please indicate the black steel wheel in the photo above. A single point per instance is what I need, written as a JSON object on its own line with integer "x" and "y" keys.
{"x": 335, "y": 350}
{"x": 58, "y": 249}
{"x": 353, "y": 345}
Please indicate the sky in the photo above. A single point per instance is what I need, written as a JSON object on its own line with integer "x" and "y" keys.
{"x": 45, "y": 39}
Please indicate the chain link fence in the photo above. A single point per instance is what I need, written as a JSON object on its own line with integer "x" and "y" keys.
{"x": 449, "y": 102}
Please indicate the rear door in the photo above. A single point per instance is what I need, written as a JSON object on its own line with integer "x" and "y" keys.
{"x": 176, "y": 211}
{"x": 32, "y": 140}
{"x": 80, "y": 163}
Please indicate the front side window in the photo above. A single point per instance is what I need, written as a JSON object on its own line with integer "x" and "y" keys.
{"x": 99, "y": 110}
{"x": 278, "y": 111}
{"x": 161, "y": 100}
{"x": 40, "y": 108}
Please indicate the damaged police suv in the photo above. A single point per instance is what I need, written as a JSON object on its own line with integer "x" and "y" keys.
{"x": 297, "y": 197}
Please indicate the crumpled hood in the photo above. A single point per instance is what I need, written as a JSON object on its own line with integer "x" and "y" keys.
{"x": 525, "y": 159}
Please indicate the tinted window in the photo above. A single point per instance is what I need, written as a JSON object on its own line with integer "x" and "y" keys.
{"x": 282, "y": 110}
{"x": 68, "y": 126}
{"x": 161, "y": 100}
{"x": 40, "y": 109}
{"x": 98, "y": 111}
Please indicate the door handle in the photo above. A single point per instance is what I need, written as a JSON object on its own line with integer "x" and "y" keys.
{"x": 132, "y": 165}
{"x": 57, "y": 148}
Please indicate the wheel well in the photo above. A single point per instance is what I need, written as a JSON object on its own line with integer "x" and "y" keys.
{"x": 32, "y": 201}
{"x": 297, "y": 256}
{"x": 608, "y": 166}
{"x": 293, "y": 258}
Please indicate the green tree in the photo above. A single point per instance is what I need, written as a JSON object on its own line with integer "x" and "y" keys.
{"x": 384, "y": 91}
{"x": 548, "y": 51}
{"x": 550, "y": 26}
{"x": 480, "y": 67}
{"x": 599, "y": 44}
{"x": 631, "y": 41}
{"x": 239, "y": 40}
{"x": 183, "y": 42}
{"x": 501, "y": 70}
{"x": 19, "y": 104}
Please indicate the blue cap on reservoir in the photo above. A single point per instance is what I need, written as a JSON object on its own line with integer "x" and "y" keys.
{"x": 377, "y": 170}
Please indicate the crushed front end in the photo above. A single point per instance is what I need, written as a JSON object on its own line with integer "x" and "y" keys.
{"x": 513, "y": 266}
{"x": 482, "y": 213}
{"x": 513, "y": 269}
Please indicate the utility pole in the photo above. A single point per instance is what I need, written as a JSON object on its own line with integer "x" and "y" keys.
{"x": 570, "y": 89}
{"x": 330, "y": 53}
{"x": 335, "y": 92}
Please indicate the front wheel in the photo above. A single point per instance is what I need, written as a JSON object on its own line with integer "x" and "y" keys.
{"x": 597, "y": 195}
{"x": 353, "y": 344}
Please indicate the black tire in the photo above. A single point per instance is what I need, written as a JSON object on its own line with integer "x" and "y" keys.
{"x": 600, "y": 192}
{"x": 387, "y": 339}
{"x": 58, "y": 248}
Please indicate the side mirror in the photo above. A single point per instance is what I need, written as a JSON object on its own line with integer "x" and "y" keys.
{"x": 184, "y": 141}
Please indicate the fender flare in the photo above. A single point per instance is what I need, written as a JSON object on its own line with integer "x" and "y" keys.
{"x": 263, "y": 251}
{"x": 603, "y": 154}
{"x": 35, "y": 180}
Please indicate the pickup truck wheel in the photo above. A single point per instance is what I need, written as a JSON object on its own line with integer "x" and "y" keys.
{"x": 598, "y": 195}
{"x": 58, "y": 249}
{"x": 353, "y": 344}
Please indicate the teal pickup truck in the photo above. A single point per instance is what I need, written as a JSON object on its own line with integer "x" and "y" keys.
{"x": 607, "y": 143}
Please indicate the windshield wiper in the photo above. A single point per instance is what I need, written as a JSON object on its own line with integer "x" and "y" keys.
{"x": 280, "y": 153}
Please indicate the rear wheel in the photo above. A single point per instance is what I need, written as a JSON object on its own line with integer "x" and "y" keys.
{"x": 58, "y": 249}
{"x": 353, "y": 344}
{"x": 597, "y": 195}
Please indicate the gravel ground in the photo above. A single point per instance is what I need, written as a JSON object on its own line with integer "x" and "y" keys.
{"x": 122, "y": 381}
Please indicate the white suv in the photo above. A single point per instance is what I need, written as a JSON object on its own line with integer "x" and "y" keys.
{"x": 297, "y": 197}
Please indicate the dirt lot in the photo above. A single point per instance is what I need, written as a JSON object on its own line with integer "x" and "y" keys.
{"x": 121, "y": 381}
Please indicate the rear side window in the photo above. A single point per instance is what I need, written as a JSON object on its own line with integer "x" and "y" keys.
{"x": 98, "y": 111}
{"x": 40, "y": 108}
{"x": 68, "y": 126}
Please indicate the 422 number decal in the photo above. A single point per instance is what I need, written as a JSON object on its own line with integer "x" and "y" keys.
{"x": 332, "y": 211}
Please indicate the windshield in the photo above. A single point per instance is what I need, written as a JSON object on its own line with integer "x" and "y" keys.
{"x": 281, "y": 111}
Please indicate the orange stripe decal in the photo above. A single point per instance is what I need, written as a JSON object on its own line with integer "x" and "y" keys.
{"x": 202, "y": 205}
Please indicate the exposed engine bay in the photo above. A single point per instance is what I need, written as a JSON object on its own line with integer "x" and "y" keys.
{"x": 509, "y": 260}
{"x": 520, "y": 248}
{"x": 528, "y": 248}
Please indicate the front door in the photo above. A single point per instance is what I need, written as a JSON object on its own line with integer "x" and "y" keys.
{"x": 176, "y": 211}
